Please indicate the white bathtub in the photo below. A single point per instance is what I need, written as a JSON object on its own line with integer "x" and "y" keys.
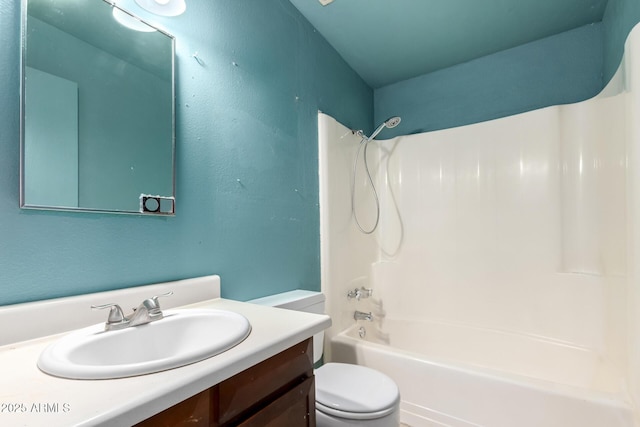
{"x": 461, "y": 376}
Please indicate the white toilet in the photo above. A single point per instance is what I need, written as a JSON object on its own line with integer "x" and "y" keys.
{"x": 346, "y": 395}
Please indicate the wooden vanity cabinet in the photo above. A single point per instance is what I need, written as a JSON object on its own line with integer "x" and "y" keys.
{"x": 279, "y": 391}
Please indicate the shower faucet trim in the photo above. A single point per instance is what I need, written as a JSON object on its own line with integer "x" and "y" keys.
{"x": 360, "y": 293}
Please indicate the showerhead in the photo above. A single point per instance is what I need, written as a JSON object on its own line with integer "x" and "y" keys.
{"x": 390, "y": 123}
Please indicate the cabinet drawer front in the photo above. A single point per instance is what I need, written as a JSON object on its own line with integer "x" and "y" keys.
{"x": 259, "y": 385}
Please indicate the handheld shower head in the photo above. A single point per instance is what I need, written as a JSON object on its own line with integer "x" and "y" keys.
{"x": 389, "y": 123}
{"x": 392, "y": 122}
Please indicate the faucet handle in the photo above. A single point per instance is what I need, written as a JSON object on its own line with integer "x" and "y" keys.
{"x": 354, "y": 294}
{"x": 152, "y": 304}
{"x": 360, "y": 293}
{"x": 115, "y": 313}
{"x": 166, "y": 294}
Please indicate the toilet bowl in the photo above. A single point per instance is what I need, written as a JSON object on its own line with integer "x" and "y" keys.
{"x": 353, "y": 395}
{"x": 346, "y": 395}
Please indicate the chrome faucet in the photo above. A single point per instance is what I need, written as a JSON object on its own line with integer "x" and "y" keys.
{"x": 148, "y": 311}
{"x": 360, "y": 293}
{"x": 359, "y": 315}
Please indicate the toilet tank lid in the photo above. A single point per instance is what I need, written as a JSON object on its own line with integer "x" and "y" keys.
{"x": 292, "y": 300}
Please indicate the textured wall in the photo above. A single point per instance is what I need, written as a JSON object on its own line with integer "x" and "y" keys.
{"x": 560, "y": 69}
{"x": 619, "y": 18}
{"x": 247, "y": 175}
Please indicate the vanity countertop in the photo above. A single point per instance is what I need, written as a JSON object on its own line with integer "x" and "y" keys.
{"x": 29, "y": 397}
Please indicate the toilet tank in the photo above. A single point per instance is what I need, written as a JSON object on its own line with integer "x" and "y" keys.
{"x": 299, "y": 300}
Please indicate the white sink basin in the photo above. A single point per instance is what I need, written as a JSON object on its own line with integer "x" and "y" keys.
{"x": 182, "y": 337}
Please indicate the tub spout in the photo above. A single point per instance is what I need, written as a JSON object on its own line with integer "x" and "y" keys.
{"x": 359, "y": 315}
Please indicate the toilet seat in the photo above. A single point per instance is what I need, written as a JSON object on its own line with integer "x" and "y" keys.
{"x": 353, "y": 415}
{"x": 354, "y": 392}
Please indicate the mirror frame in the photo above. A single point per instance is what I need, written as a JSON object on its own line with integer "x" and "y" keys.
{"x": 143, "y": 211}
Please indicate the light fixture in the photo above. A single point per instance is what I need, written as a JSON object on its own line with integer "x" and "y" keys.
{"x": 130, "y": 22}
{"x": 163, "y": 7}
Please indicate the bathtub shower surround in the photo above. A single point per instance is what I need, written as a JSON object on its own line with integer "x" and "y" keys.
{"x": 439, "y": 389}
{"x": 505, "y": 262}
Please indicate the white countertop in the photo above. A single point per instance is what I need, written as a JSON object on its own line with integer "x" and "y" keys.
{"x": 29, "y": 397}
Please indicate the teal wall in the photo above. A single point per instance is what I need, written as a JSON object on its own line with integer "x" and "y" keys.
{"x": 247, "y": 184}
{"x": 569, "y": 67}
{"x": 247, "y": 176}
{"x": 559, "y": 69}
{"x": 619, "y": 18}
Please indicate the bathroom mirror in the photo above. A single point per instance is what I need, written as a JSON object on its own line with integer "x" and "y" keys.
{"x": 97, "y": 110}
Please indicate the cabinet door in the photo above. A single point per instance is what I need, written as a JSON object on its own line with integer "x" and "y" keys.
{"x": 295, "y": 408}
{"x": 279, "y": 391}
{"x": 263, "y": 383}
{"x": 193, "y": 412}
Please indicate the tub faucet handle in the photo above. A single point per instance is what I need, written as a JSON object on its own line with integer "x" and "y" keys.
{"x": 354, "y": 294}
{"x": 360, "y": 293}
{"x": 365, "y": 292}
